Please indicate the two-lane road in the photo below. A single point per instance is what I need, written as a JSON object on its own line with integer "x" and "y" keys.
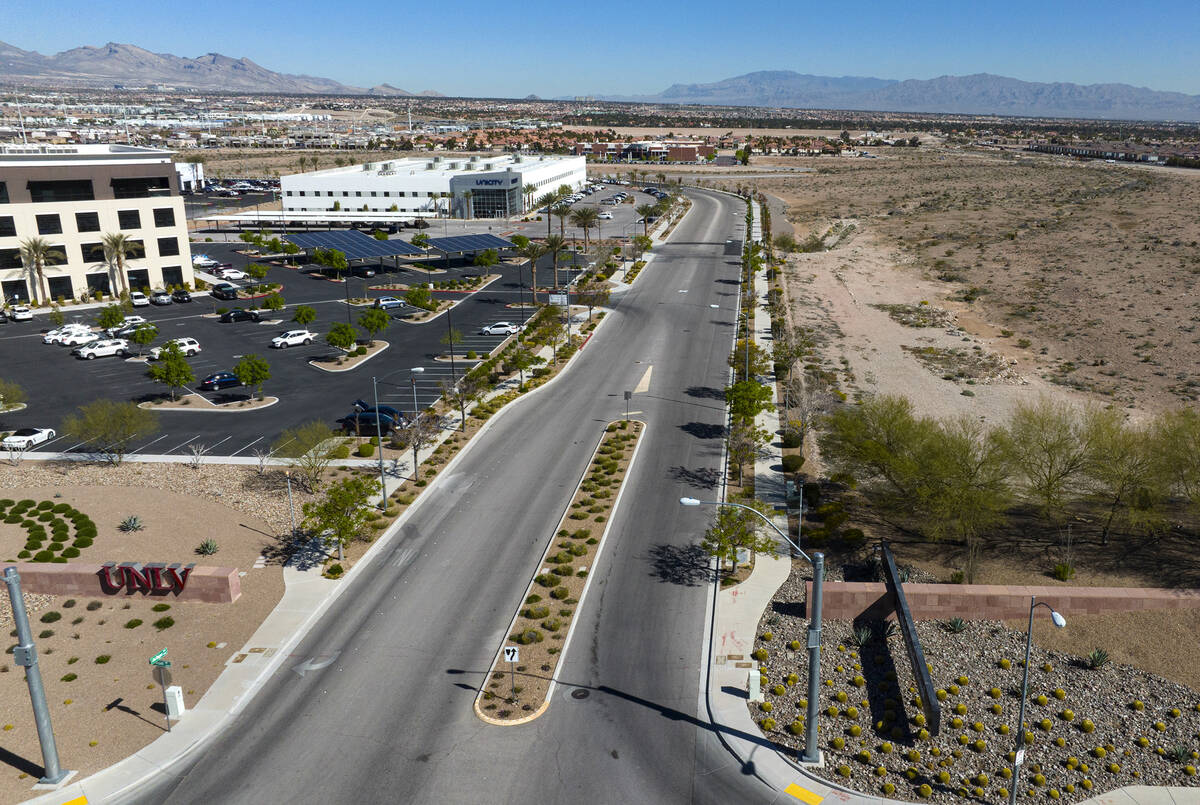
{"x": 391, "y": 720}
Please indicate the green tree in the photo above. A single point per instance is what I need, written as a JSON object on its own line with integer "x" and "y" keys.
{"x": 56, "y": 316}
{"x": 109, "y": 427}
{"x": 420, "y": 296}
{"x": 171, "y": 369}
{"x": 36, "y": 254}
{"x": 1048, "y": 447}
{"x": 646, "y": 210}
{"x": 110, "y": 316}
{"x": 253, "y": 371}
{"x": 643, "y": 243}
{"x": 1177, "y": 442}
{"x": 593, "y": 294}
{"x": 309, "y": 449}
{"x": 274, "y": 302}
{"x": 487, "y": 258}
{"x": 520, "y": 358}
{"x": 374, "y": 320}
{"x": 119, "y": 247}
{"x": 291, "y": 249}
{"x": 758, "y": 359}
{"x": 555, "y": 244}
{"x": 341, "y": 336}
{"x": 452, "y": 338}
{"x": 520, "y": 241}
{"x": 732, "y": 529}
{"x": 341, "y": 515}
{"x": 144, "y": 336}
{"x": 585, "y": 218}
{"x": 1124, "y": 473}
{"x": 464, "y": 393}
{"x": 11, "y": 394}
{"x": 744, "y": 444}
{"x": 256, "y": 272}
{"x": 747, "y": 399}
{"x": 379, "y": 234}
{"x": 420, "y": 240}
{"x": 304, "y": 315}
{"x": 562, "y": 212}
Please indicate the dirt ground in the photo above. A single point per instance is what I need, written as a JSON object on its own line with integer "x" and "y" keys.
{"x": 108, "y": 711}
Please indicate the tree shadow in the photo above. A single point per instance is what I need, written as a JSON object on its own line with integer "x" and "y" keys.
{"x": 703, "y": 430}
{"x": 702, "y": 478}
{"x": 705, "y": 392}
{"x": 685, "y": 565}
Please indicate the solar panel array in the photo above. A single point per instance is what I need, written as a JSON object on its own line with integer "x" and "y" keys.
{"x": 469, "y": 243}
{"x": 354, "y": 244}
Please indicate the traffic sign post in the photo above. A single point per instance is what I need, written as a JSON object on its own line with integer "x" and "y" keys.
{"x": 162, "y": 675}
{"x": 628, "y": 397}
{"x": 512, "y": 655}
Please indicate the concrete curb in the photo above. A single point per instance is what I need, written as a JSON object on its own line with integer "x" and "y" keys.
{"x": 219, "y": 410}
{"x": 366, "y": 358}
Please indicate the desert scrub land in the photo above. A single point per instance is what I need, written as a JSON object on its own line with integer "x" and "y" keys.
{"x": 1080, "y": 272}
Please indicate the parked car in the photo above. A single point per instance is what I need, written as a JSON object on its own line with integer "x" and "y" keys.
{"x": 363, "y": 271}
{"x": 363, "y": 407}
{"x": 127, "y": 330}
{"x": 219, "y": 380}
{"x": 605, "y": 215}
{"x": 365, "y": 423}
{"x": 101, "y": 348}
{"x": 228, "y": 272}
{"x": 500, "y": 328}
{"x": 160, "y": 298}
{"x": 56, "y": 336}
{"x": 203, "y": 261}
{"x": 292, "y": 338}
{"x": 223, "y": 290}
{"x": 181, "y": 296}
{"x": 240, "y": 314}
{"x": 389, "y": 302}
{"x": 138, "y": 299}
{"x": 20, "y": 313}
{"x": 128, "y": 321}
{"x": 79, "y": 337}
{"x": 188, "y": 346}
{"x": 25, "y": 438}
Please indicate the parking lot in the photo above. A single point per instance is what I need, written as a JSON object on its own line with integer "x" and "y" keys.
{"x": 56, "y": 382}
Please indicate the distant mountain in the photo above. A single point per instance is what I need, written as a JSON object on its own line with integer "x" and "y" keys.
{"x": 973, "y": 94}
{"x": 128, "y": 64}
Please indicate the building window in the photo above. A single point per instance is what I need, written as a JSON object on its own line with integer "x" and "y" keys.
{"x": 129, "y": 219}
{"x": 357, "y": 193}
{"x": 49, "y": 224}
{"x": 10, "y": 258}
{"x": 62, "y": 190}
{"x": 345, "y": 194}
{"x": 373, "y": 194}
{"x": 141, "y": 187}
{"x": 287, "y": 192}
{"x": 92, "y": 252}
{"x": 60, "y": 287}
{"x": 164, "y": 216}
{"x": 172, "y": 276}
{"x": 301, "y": 192}
{"x": 8, "y": 229}
{"x": 137, "y": 248}
{"x": 168, "y": 247}
{"x": 87, "y": 221}
{"x": 329, "y": 194}
{"x": 3, "y": 193}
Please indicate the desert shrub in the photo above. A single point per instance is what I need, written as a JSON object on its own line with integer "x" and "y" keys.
{"x": 102, "y": 659}
{"x": 131, "y": 523}
{"x": 69, "y": 677}
{"x": 559, "y": 593}
{"x": 93, "y": 606}
{"x": 133, "y": 623}
{"x": 528, "y": 637}
{"x": 340, "y": 452}
{"x": 45, "y": 634}
{"x": 545, "y": 580}
{"x": 44, "y": 556}
{"x": 50, "y": 617}
{"x": 536, "y": 613}
{"x": 160, "y": 607}
{"x": 366, "y": 450}
{"x": 70, "y": 553}
{"x": 164, "y": 623}
{"x": 208, "y": 547}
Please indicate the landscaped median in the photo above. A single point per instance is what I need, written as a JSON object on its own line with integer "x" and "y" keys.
{"x": 514, "y": 693}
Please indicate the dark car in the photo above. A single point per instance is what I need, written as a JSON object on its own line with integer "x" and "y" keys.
{"x": 224, "y": 290}
{"x": 362, "y": 407}
{"x": 363, "y": 271}
{"x": 240, "y": 314}
{"x": 219, "y": 380}
{"x": 181, "y": 296}
{"x": 365, "y": 423}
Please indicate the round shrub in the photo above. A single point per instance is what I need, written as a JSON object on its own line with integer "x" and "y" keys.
{"x": 133, "y": 623}
{"x": 50, "y": 617}
{"x": 102, "y": 659}
{"x": 793, "y": 462}
{"x": 528, "y": 637}
{"x": 160, "y": 607}
{"x": 767, "y": 724}
{"x": 70, "y": 553}
{"x": 559, "y": 593}
{"x": 70, "y": 677}
{"x": 1086, "y": 725}
{"x": 536, "y": 613}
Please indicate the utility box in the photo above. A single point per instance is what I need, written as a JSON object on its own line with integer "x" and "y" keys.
{"x": 174, "y": 699}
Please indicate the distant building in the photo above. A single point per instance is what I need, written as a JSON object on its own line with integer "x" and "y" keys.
{"x": 73, "y": 195}
{"x": 646, "y": 151}
{"x": 463, "y": 187}
{"x": 1124, "y": 152}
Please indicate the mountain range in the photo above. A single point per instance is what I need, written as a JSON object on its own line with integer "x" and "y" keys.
{"x": 980, "y": 94}
{"x": 131, "y": 65}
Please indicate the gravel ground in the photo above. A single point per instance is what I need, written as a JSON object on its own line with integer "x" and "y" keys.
{"x": 876, "y": 680}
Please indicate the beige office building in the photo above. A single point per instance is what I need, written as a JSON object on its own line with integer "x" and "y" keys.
{"x": 72, "y": 196}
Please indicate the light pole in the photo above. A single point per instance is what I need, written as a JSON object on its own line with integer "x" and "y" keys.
{"x": 416, "y": 370}
{"x": 812, "y": 753}
{"x": 379, "y": 447}
{"x": 291, "y": 508}
{"x": 1060, "y": 622}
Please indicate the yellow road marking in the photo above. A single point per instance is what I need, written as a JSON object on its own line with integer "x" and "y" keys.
{"x": 644, "y": 384}
{"x": 77, "y": 801}
{"x": 803, "y": 794}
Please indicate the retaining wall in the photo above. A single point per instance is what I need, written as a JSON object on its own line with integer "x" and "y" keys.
{"x": 209, "y": 585}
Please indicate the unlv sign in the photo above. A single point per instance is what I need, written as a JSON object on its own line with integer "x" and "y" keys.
{"x": 153, "y": 578}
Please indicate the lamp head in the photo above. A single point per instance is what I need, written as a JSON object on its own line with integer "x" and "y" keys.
{"x": 417, "y": 369}
{"x": 689, "y": 501}
{"x": 1059, "y": 620}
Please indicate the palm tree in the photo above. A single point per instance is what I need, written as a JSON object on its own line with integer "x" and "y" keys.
{"x": 563, "y": 212}
{"x": 528, "y": 190}
{"x": 547, "y": 201}
{"x": 646, "y": 210}
{"x": 117, "y": 247}
{"x": 554, "y": 245}
{"x": 533, "y": 252}
{"x": 35, "y": 253}
{"x": 468, "y": 212}
{"x": 585, "y": 218}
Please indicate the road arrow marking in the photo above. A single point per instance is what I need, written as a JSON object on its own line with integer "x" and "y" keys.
{"x": 644, "y": 384}
{"x": 314, "y": 665}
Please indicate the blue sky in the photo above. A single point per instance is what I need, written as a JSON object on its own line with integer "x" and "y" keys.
{"x": 550, "y": 49}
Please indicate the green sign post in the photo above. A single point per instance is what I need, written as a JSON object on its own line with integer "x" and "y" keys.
{"x": 157, "y": 659}
{"x": 163, "y": 677}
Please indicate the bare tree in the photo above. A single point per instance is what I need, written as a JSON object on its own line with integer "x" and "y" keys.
{"x": 419, "y": 433}
{"x": 197, "y": 451}
{"x": 262, "y": 456}
{"x": 745, "y": 444}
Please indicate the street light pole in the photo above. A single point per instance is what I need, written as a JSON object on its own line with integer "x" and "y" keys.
{"x": 812, "y": 752}
{"x": 291, "y": 508}
{"x": 416, "y": 370}
{"x": 379, "y": 447}
{"x": 1019, "y": 750}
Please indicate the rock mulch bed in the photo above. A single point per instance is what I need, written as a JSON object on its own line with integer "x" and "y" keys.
{"x": 1087, "y": 730}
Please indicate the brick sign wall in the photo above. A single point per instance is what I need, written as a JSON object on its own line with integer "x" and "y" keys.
{"x": 208, "y": 585}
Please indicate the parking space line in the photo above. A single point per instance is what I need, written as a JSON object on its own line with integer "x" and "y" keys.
{"x": 147, "y": 444}
{"x": 244, "y": 447}
{"x": 176, "y": 447}
{"x": 211, "y": 448}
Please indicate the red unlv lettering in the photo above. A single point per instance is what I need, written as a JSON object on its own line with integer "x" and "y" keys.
{"x": 134, "y": 577}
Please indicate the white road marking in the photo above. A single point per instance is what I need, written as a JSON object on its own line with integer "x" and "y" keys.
{"x": 147, "y": 444}
{"x": 243, "y": 447}
{"x": 644, "y": 384}
{"x": 404, "y": 557}
{"x": 184, "y": 444}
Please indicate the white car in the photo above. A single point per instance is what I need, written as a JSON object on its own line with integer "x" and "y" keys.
{"x": 20, "y": 313}
{"x": 26, "y": 438}
{"x": 605, "y": 215}
{"x": 139, "y": 299}
{"x": 230, "y": 273}
{"x": 203, "y": 261}
{"x": 128, "y": 321}
{"x": 292, "y": 338}
{"x": 188, "y": 346}
{"x": 500, "y": 328}
{"x": 102, "y": 348}
{"x": 79, "y": 338}
{"x": 56, "y": 336}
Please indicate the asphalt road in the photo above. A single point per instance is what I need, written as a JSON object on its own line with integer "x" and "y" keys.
{"x": 56, "y": 382}
{"x": 391, "y": 720}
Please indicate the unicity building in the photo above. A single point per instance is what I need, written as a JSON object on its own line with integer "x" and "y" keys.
{"x": 498, "y": 186}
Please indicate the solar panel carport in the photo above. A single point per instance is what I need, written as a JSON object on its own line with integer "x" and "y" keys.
{"x": 353, "y": 244}
{"x": 460, "y": 244}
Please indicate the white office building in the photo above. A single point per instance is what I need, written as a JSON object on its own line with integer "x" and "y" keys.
{"x": 71, "y": 196}
{"x": 463, "y": 187}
